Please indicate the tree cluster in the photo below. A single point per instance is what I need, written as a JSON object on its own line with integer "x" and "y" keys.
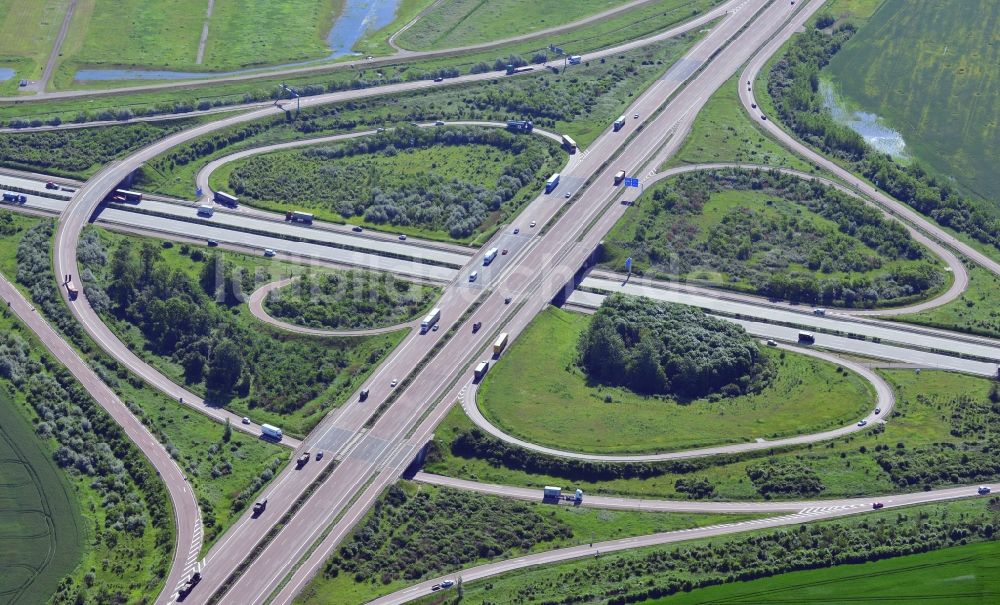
{"x": 794, "y": 85}
{"x": 349, "y": 300}
{"x": 410, "y": 537}
{"x": 191, "y": 323}
{"x": 653, "y": 347}
{"x": 313, "y": 178}
{"x": 785, "y": 477}
{"x": 764, "y": 248}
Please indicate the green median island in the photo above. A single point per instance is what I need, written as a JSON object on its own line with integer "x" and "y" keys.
{"x": 642, "y": 376}
{"x": 774, "y": 235}
{"x": 349, "y": 300}
{"x": 449, "y": 183}
{"x": 183, "y": 309}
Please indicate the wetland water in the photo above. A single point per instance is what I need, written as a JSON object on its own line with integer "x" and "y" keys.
{"x": 868, "y": 125}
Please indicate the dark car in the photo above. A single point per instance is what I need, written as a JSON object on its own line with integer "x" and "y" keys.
{"x": 212, "y": 243}
{"x": 357, "y": 229}
{"x": 476, "y": 326}
{"x": 877, "y": 505}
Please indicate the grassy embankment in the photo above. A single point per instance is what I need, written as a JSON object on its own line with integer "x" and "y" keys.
{"x": 930, "y": 406}
{"x": 537, "y": 393}
{"x": 294, "y": 380}
{"x": 148, "y": 34}
{"x": 418, "y": 531}
{"x": 977, "y": 311}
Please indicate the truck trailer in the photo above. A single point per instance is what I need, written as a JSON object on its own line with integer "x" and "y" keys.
{"x": 129, "y": 196}
{"x": 500, "y": 343}
{"x": 481, "y": 369}
{"x": 619, "y": 123}
{"x": 807, "y": 337}
{"x": 431, "y": 319}
{"x": 569, "y": 143}
{"x": 270, "y": 432}
{"x": 552, "y": 183}
{"x": 297, "y": 216}
{"x": 489, "y": 256}
{"x": 550, "y": 492}
{"x": 619, "y": 177}
{"x": 226, "y": 199}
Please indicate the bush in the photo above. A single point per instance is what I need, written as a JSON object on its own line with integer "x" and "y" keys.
{"x": 784, "y": 477}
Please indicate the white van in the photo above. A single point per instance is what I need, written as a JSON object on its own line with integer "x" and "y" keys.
{"x": 473, "y": 276}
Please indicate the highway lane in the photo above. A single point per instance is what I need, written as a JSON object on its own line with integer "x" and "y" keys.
{"x": 884, "y": 331}
{"x": 822, "y": 510}
{"x": 885, "y": 401}
{"x": 862, "y": 186}
{"x": 362, "y": 64}
{"x": 959, "y": 276}
{"x": 187, "y": 515}
{"x": 842, "y": 344}
{"x": 531, "y": 282}
{"x": 256, "y": 304}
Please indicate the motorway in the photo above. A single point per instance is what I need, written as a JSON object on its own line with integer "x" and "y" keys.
{"x": 370, "y": 453}
{"x": 816, "y": 511}
{"x": 187, "y": 515}
{"x": 885, "y": 400}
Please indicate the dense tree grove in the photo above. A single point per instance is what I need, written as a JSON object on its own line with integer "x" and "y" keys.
{"x": 410, "y": 537}
{"x": 794, "y": 85}
{"x": 658, "y": 348}
{"x": 762, "y": 248}
{"x": 349, "y": 300}
{"x": 314, "y": 178}
{"x": 91, "y": 444}
{"x": 74, "y": 154}
{"x": 786, "y": 477}
{"x": 633, "y": 577}
{"x": 34, "y": 272}
{"x": 190, "y": 323}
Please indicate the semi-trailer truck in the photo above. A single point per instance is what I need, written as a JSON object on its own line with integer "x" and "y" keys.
{"x": 481, "y": 369}
{"x": 17, "y": 198}
{"x": 297, "y": 216}
{"x": 129, "y": 196}
{"x": 807, "y": 337}
{"x": 552, "y": 183}
{"x": 270, "y": 432}
{"x": 550, "y": 492}
{"x": 226, "y": 199}
{"x": 489, "y": 256}
{"x": 431, "y": 319}
{"x": 500, "y": 343}
{"x": 206, "y": 210}
{"x": 619, "y": 123}
{"x": 569, "y": 143}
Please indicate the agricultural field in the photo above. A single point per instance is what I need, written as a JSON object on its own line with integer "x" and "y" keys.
{"x": 935, "y": 437}
{"x": 456, "y": 23}
{"x": 28, "y": 29}
{"x": 773, "y": 235}
{"x": 350, "y": 300}
{"x": 873, "y": 551}
{"x": 931, "y": 70}
{"x": 165, "y": 35}
{"x": 417, "y": 531}
{"x": 202, "y": 334}
{"x": 442, "y": 183}
{"x": 977, "y": 310}
{"x": 538, "y": 393}
{"x": 41, "y": 529}
{"x": 959, "y": 575}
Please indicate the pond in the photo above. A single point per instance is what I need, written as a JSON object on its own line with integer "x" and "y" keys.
{"x": 870, "y": 126}
{"x": 357, "y": 18}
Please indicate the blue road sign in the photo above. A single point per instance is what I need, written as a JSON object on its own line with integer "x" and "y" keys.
{"x": 631, "y": 181}
{"x": 628, "y": 265}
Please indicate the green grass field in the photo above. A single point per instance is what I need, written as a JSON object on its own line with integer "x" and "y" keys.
{"x": 961, "y": 575}
{"x": 459, "y": 519}
{"x": 537, "y": 393}
{"x": 922, "y": 420}
{"x": 932, "y": 71}
{"x": 722, "y": 132}
{"x": 41, "y": 529}
{"x": 455, "y": 23}
{"x": 977, "y": 311}
{"x": 28, "y": 29}
{"x": 164, "y": 34}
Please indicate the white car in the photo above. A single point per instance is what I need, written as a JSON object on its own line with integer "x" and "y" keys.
{"x": 862, "y": 422}
{"x": 771, "y": 343}
{"x": 393, "y": 383}
{"x": 635, "y": 117}
{"x": 246, "y": 420}
{"x": 268, "y": 252}
{"x": 402, "y": 237}
{"x": 568, "y": 195}
{"x": 532, "y": 224}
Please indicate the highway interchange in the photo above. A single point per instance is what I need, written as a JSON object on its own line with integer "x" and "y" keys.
{"x": 371, "y": 442}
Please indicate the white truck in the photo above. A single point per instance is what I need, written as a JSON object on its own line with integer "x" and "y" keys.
{"x": 619, "y": 123}
{"x": 270, "y": 431}
{"x": 206, "y": 210}
{"x": 297, "y": 216}
{"x": 481, "y": 369}
{"x": 550, "y": 492}
{"x": 489, "y": 256}
{"x": 431, "y": 319}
